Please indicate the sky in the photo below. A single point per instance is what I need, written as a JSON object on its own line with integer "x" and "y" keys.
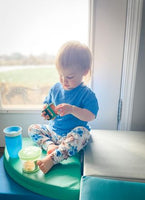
{"x": 41, "y": 26}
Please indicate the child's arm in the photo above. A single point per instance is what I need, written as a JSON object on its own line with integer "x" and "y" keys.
{"x": 82, "y": 114}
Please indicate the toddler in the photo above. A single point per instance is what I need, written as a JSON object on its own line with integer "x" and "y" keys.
{"x": 76, "y": 105}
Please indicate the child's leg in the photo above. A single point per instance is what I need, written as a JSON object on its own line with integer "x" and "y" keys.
{"x": 76, "y": 140}
{"x": 42, "y": 136}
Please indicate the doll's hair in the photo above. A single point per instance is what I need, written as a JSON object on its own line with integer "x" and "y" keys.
{"x": 73, "y": 53}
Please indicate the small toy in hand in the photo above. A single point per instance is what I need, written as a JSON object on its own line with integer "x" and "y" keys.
{"x": 50, "y": 111}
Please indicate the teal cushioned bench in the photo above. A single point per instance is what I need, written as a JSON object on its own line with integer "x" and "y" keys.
{"x": 62, "y": 182}
{"x": 114, "y": 166}
{"x": 94, "y": 188}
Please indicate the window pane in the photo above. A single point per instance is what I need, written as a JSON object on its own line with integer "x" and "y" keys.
{"x": 31, "y": 33}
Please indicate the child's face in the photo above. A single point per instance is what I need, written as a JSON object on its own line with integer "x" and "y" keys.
{"x": 70, "y": 78}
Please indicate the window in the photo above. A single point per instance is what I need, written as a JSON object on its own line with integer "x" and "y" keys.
{"x": 31, "y": 33}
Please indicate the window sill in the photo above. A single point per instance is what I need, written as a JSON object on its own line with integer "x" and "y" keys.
{"x": 21, "y": 109}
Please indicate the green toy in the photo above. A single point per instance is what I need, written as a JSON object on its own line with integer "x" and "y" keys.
{"x": 50, "y": 111}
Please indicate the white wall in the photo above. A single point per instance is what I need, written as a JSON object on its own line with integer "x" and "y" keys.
{"x": 22, "y": 119}
{"x": 109, "y": 33}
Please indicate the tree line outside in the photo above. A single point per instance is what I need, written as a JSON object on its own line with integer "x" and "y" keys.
{"x": 20, "y": 59}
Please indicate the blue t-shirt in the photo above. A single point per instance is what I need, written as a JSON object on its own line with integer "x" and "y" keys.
{"x": 81, "y": 96}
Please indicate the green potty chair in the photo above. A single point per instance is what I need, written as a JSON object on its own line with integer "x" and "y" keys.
{"x": 61, "y": 183}
{"x": 114, "y": 166}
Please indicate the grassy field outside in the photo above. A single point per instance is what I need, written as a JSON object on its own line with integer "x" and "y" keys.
{"x": 30, "y": 76}
{"x": 26, "y": 86}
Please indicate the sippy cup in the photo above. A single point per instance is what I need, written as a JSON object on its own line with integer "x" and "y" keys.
{"x": 13, "y": 140}
{"x": 29, "y": 156}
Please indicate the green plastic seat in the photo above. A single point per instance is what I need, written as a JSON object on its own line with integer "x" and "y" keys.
{"x": 62, "y": 182}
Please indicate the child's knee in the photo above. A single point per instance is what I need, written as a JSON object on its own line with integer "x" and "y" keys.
{"x": 32, "y": 129}
{"x": 81, "y": 132}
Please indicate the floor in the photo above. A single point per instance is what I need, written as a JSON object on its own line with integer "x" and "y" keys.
{"x": 1, "y": 151}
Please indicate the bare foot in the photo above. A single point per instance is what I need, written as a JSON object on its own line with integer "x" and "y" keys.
{"x": 51, "y": 148}
{"x": 45, "y": 164}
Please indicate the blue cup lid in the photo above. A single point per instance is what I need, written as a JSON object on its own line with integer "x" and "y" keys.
{"x": 12, "y": 131}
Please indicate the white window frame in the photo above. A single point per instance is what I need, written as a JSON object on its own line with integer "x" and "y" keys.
{"x": 129, "y": 69}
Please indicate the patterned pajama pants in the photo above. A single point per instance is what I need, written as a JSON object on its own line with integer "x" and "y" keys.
{"x": 68, "y": 145}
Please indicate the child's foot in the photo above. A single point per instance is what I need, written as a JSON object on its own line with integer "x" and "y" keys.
{"x": 45, "y": 164}
{"x": 51, "y": 148}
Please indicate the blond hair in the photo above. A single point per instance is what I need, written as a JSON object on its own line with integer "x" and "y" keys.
{"x": 73, "y": 53}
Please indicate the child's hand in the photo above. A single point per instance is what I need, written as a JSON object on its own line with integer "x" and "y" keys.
{"x": 43, "y": 113}
{"x": 64, "y": 109}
